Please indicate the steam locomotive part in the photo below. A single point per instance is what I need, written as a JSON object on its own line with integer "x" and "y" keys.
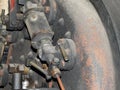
{"x": 27, "y": 51}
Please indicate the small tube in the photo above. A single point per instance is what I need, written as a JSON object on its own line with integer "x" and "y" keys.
{"x": 60, "y": 83}
{"x": 17, "y": 81}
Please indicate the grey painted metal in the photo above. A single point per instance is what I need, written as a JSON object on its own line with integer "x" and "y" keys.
{"x": 17, "y": 81}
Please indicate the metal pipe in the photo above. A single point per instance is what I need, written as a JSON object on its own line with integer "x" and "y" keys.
{"x": 40, "y": 69}
{"x": 17, "y": 81}
{"x": 60, "y": 83}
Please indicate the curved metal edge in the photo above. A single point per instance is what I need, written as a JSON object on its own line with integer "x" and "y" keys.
{"x": 93, "y": 47}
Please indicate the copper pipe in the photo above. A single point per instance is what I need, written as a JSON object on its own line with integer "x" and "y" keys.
{"x": 60, "y": 83}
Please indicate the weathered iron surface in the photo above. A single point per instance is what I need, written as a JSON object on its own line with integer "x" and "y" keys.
{"x": 95, "y": 68}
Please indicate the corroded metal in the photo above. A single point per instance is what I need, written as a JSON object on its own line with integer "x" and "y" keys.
{"x": 93, "y": 48}
{"x": 95, "y": 67}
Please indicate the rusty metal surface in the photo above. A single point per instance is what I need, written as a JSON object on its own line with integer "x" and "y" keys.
{"x": 94, "y": 68}
{"x": 95, "y": 62}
